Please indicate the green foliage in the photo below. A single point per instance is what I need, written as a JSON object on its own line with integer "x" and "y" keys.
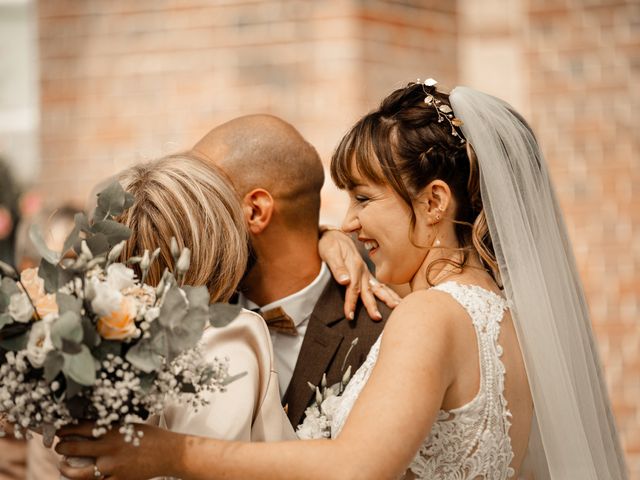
{"x": 68, "y": 303}
{"x": 80, "y": 367}
{"x": 112, "y": 201}
{"x": 15, "y": 343}
{"x": 222, "y": 314}
{"x": 9, "y": 286}
{"x": 66, "y": 327}
{"x": 5, "y": 319}
{"x": 143, "y": 355}
{"x": 53, "y": 364}
{"x": 35, "y": 234}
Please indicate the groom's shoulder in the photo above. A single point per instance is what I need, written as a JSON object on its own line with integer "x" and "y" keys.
{"x": 329, "y": 309}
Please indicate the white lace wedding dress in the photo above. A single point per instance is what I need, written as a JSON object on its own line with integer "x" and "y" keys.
{"x": 471, "y": 441}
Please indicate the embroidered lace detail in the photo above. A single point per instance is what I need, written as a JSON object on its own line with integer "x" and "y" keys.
{"x": 471, "y": 441}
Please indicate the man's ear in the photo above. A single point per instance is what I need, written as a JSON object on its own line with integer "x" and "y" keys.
{"x": 258, "y": 207}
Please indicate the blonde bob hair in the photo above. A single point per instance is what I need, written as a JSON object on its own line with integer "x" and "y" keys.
{"x": 180, "y": 196}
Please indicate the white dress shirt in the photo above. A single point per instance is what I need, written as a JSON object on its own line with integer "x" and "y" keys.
{"x": 299, "y": 307}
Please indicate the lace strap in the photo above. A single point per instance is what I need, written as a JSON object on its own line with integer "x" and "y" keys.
{"x": 483, "y": 306}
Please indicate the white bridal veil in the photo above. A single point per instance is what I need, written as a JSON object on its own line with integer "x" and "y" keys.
{"x": 573, "y": 424}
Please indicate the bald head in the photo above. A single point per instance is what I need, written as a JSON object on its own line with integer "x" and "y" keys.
{"x": 263, "y": 151}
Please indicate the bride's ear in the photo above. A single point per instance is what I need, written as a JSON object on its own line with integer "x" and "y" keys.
{"x": 257, "y": 206}
{"x": 435, "y": 201}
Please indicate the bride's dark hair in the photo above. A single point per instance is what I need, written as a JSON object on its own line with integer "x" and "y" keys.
{"x": 406, "y": 144}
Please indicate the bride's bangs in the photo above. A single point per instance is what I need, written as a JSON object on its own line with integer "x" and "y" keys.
{"x": 357, "y": 156}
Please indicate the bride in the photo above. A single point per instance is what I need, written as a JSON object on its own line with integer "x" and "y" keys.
{"x": 487, "y": 369}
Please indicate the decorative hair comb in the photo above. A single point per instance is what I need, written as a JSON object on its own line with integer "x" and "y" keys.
{"x": 443, "y": 110}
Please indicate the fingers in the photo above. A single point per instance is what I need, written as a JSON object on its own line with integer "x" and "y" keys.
{"x": 351, "y": 299}
{"x": 334, "y": 249}
{"x": 384, "y": 293}
{"x": 84, "y": 473}
{"x": 83, "y": 448}
{"x": 82, "y": 430}
{"x": 339, "y": 272}
{"x": 368, "y": 298}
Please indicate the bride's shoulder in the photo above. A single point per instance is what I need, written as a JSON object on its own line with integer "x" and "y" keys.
{"x": 429, "y": 310}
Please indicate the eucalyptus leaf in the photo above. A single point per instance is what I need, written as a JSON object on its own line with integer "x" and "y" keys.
{"x": 50, "y": 274}
{"x": 98, "y": 244}
{"x": 69, "y": 327}
{"x": 73, "y": 389}
{"x": 147, "y": 380}
{"x": 5, "y": 319}
{"x": 80, "y": 367}
{"x": 159, "y": 343}
{"x": 82, "y": 223}
{"x": 72, "y": 238}
{"x": 15, "y": 343}
{"x": 107, "y": 347}
{"x": 114, "y": 232}
{"x": 5, "y": 300}
{"x": 70, "y": 347}
{"x": 53, "y": 364}
{"x": 111, "y": 202}
{"x": 68, "y": 303}
{"x": 182, "y": 338}
{"x": 90, "y": 336}
{"x": 9, "y": 286}
{"x": 7, "y": 270}
{"x": 197, "y": 296}
{"x": 222, "y": 314}
{"x": 174, "y": 308}
{"x": 143, "y": 357}
{"x": 35, "y": 234}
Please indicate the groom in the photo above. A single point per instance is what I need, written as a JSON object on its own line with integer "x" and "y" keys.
{"x": 278, "y": 176}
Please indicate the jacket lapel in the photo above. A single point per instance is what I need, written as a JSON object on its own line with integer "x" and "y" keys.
{"x": 319, "y": 346}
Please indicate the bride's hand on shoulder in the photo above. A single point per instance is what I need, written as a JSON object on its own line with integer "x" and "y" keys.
{"x": 114, "y": 458}
{"x": 348, "y": 268}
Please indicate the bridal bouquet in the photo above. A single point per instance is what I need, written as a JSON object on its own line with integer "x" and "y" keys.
{"x": 83, "y": 339}
{"x": 319, "y": 415}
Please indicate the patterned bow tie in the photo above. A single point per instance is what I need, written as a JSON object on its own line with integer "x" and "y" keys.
{"x": 278, "y": 321}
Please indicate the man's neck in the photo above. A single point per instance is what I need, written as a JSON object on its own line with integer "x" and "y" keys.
{"x": 281, "y": 271}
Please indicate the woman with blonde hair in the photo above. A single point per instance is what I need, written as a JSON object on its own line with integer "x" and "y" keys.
{"x": 181, "y": 197}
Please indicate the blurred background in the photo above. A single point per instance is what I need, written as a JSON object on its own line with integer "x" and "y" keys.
{"x": 89, "y": 87}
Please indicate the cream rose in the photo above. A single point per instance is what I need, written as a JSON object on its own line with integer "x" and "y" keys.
{"x": 45, "y": 303}
{"x": 105, "y": 298}
{"x": 20, "y": 308}
{"x": 120, "y": 277}
{"x": 39, "y": 343}
{"x": 119, "y": 324}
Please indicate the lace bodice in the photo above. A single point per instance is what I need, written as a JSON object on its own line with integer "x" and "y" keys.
{"x": 471, "y": 441}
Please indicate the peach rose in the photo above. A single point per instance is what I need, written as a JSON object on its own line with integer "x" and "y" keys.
{"x": 45, "y": 303}
{"x": 119, "y": 324}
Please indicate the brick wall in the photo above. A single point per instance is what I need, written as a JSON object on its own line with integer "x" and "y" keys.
{"x": 123, "y": 81}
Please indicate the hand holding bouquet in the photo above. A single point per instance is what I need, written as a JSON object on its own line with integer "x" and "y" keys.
{"x": 83, "y": 338}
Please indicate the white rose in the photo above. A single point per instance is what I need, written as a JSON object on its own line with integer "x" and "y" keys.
{"x": 330, "y": 406}
{"x": 120, "y": 277}
{"x": 39, "y": 343}
{"x": 20, "y": 308}
{"x": 152, "y": 314}
{"x": 106, "y": 298}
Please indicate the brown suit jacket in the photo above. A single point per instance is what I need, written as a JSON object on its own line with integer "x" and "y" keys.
{"x": 325, "y": 345}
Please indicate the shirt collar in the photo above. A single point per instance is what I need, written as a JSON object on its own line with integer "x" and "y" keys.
{"x": 300, "y": 304}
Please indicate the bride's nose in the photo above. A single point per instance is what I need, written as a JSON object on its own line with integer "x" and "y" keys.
{"x": 350, "y": 222}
